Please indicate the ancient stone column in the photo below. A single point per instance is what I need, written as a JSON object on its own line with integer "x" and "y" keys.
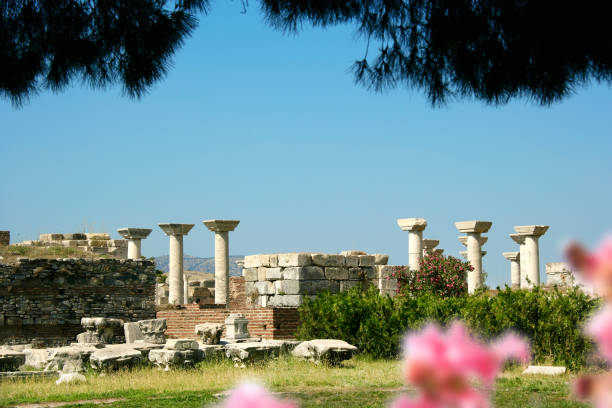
{"x": 175, "y": 276}
{"x": 134, "y": 237}
{"x": 532, "y": 233}
{"x": 415, "y": 228}
{"x": 520, "y": 240}
{"x": 515, "y": 268}
{"x": 429, "y": 246}
{"x": 439, "y": 251}
{"x": 473, "y": 229}
{"x": 185, "y": 289}
{"x": 221, "y": 228}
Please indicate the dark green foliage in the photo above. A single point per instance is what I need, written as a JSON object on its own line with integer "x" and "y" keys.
{"x": 492, "y": 50}
{"x": 550, "y": 320}
{"x": 53, "y": 42}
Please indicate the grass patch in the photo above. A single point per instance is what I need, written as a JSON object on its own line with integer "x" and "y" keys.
{"x": 11, "y": 253}
{"x": 360, "y": 382}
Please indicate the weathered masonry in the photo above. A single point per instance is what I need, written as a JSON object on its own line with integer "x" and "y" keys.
{"x": 284, "y": 280}
{"x": 43, "y": 299}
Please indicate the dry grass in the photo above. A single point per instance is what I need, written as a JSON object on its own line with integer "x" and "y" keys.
{"x": 12, "y": 253}
{"x": 359, "y": 383}
{"x": 284, "y": 374}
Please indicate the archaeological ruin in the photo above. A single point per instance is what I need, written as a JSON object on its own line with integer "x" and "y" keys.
{"x": 101, "y": 306}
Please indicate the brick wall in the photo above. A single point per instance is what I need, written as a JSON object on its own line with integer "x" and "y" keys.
{"x": 268, "y": 323}
{"x": 46, "y": 299}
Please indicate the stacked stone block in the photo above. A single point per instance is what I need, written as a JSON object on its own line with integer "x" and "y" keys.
{"x": 5, "y": 238}
{"x": 93, "y": 242}
{"x": 560, "y": 274}
{"x": 284, "y": 280}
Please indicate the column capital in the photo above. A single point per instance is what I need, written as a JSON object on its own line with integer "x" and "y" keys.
{"x": 473, "y": 226}
{"x": 176, "y": 229}
{"x": 531, "y": 230}
{"x": 412, "y": 224}
{"x": 430, "y": 244}
{"x": 221, "y": 225}
{"x": 134, "y": 233}
{"x": 518, "y": 238}
{"x": 512, "y": 256}
{"x": 463, "y": 239}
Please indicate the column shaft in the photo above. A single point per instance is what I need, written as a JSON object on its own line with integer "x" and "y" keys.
{"x": 134, "y": 248}
{"x": 185, "y": 289}
{"x": 533, "y": 260}
{"x": 415, "y": 249}
{"x": 176, "y": 270}
{"x": 474, "y": 256}
{"x": 221, "y": 267}
{"x": 515, "y": 274}
{"x": 523, "y": 266}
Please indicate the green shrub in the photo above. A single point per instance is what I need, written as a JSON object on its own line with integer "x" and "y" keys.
{"x": 374, "y": 323}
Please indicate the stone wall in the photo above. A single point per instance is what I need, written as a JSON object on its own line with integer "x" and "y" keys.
{"x": 267, "y": 323}
{"x": 284, "y": 280}
{"x": 560, "y": 274}
{"x": 94, "y": 242}
{"x": 5, "y": 238}
{"x": 46, "y": 299}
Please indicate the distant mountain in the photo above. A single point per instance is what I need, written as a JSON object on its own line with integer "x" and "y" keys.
{"x": 194, "y": 263}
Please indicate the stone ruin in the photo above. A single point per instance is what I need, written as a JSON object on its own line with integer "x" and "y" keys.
{"x": 284, "y": 280}
{"x": 5, "y": 238}
{"x": 150, "y": 347}
{"x": 92, "y": 242}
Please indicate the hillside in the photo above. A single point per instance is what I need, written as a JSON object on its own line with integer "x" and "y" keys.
{"x": 194, "y": 263}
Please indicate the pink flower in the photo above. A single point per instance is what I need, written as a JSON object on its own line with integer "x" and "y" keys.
{"x": 600, "y": 328}
{"x": 441, "y": 365}
{"x": 249, "y": 395}
{"x": 593, "y": 266}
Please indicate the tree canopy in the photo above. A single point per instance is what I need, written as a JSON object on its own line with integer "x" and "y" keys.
{"x": 491, "y": 50}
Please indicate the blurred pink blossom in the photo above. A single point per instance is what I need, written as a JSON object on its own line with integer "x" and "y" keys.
{"x": 250, "y": 395}
{"x": 600, "y": 328}
{"x": 595, "y": 267}
{"x": 441, "y": 365}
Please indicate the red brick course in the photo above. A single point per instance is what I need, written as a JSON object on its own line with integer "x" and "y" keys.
{"x": 267, "y": 323}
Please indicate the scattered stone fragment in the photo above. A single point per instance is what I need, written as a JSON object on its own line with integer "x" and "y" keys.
{"x": 325, "y": 350}
{"x": 69, "y": 378}
{"x": 252, "y": 351}
{"x": 10, "y": 360}
{"x": 153, "y": 330}
{"x": 181, "y": 344}
{"x": 210, "y": 333}
{"x": 132, "y": 332}
{"x": 175, "y": 358}
{"x": 236, "y": 327}
{"x": 545, "y": 370}
{"x": 212, "y": 352}
{"x": 70, "y": 358}
{"x": 37, "y": 358}
{"x": 112, "y": 358}
{"x": 99, "y": 330}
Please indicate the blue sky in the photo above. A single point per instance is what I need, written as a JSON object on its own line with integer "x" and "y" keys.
{"x": 270, "y": 129}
